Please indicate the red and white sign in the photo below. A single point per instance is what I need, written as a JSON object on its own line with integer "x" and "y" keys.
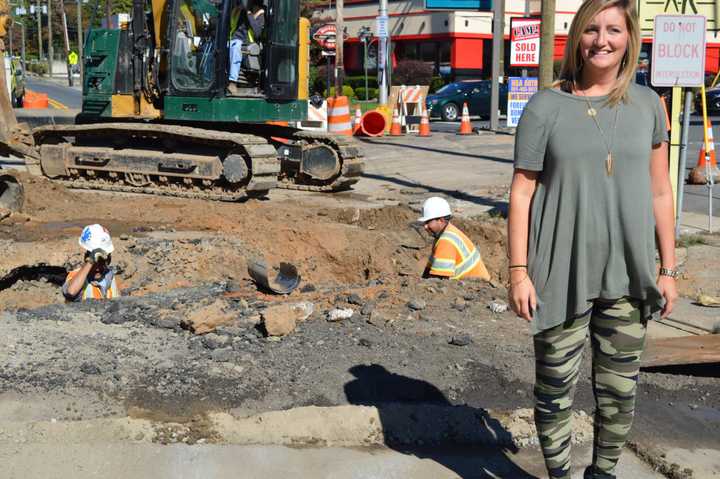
{"x": 325, "y": 36}
{"x": 678, "y": 56}
{"x": 524, "y": 42}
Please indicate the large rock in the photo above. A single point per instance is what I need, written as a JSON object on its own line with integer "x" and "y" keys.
{"x": 282, "y": 319}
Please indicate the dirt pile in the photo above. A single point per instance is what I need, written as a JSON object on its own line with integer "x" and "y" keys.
{"x": 165, "y": 243}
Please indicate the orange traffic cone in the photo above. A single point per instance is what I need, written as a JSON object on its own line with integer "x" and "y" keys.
{"x": 424, "y": 124}
{"x": 698, "y": 176}
{"x": 465, "y": 126}
{"x": 395, "y": 128}
{"x": 356, "y": 123}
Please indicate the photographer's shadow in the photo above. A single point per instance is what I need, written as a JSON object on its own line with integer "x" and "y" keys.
{"x": 418, "y": 419}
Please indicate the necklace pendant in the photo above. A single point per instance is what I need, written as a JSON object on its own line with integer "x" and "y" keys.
{"x": 609, "y": 164}
{"x": 592, "y": 111}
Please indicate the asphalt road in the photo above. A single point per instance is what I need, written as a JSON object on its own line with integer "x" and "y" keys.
{"x": 60, "y": 95}
{"x": 696, "y": 196}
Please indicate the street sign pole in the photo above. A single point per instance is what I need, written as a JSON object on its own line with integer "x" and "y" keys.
{"x": 365, "y": 60}
{"x": 382, "y": 33}
{"x": 80, "y": 40}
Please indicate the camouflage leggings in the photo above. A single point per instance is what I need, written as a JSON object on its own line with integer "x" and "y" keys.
{"x": 618, "y": 337}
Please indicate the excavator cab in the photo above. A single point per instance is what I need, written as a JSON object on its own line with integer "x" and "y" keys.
{"x": 200, "y": 37}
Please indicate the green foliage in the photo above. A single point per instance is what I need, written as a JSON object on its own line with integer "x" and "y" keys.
{"x": 360, "y": 93}
{"x": 686, "y": 241}
{"x": 412, "y": 72}
{"x": 358, "y": 81}
{"x": 38, "y": 68}
{"x": 436, "y": 83}
{"x": 347, "y": 91}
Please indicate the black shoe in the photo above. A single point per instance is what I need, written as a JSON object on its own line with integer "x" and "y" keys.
{"x": 591, "y": 473}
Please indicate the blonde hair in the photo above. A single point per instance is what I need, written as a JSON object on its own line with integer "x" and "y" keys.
{"x": 572, "y": 63}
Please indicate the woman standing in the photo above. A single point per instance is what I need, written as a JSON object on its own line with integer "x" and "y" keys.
{"x": 590, "y": 192}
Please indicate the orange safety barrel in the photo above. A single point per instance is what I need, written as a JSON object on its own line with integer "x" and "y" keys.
{"x": 372, "y": 123}
{"x": 339, "y": 116}
{"x": 35, "y": 100}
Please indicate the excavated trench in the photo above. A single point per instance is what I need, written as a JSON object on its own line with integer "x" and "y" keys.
{"x": 52, "y": 274}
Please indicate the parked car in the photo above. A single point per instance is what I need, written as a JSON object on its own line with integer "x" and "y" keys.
{"x": 448, "y": 101}
{"x": 712, "y": 96}
{"x": 15, "y": 78}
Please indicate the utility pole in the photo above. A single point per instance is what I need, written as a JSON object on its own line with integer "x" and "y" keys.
{"x": 39, "y": 22}
{"x": 66, "y": 40}
{"x": 80, "y": 40}
{"x": 50, "y": 40}
{"x": 108, "y": 13}
{"x": 22, "y": 46}
{"x": 381, "y": 57}
{"x": 497, "y": 52}
{"x": 547, "y": 43}
{"x": 339, "y": 40}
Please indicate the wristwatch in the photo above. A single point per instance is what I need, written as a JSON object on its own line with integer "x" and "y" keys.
{"x": 673, "y": 273}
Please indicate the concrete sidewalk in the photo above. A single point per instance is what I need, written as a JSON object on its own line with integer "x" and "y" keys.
{"x": 140, "y": 461}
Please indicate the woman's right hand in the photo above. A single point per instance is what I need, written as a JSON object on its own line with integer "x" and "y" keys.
{"x": 521, "y": 294}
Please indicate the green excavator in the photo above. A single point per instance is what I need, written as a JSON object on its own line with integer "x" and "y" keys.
{"x": 159, "y": 115}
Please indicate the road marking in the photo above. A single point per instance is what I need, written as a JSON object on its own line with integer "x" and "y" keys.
{"x": 56, "y": 104}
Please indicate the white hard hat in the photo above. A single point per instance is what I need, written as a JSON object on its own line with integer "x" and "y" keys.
{"x": 96, "y": 237}
{"x": 435, "y": 207}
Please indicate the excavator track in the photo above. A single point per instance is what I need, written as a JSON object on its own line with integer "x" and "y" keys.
{"x": 151, "y": 142}
{"x": 351, "y": 169}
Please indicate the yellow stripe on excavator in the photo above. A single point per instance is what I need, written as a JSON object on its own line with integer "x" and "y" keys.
{"x": 304, "y": 59}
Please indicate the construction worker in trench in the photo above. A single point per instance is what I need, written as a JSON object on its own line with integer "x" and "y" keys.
{"x": 453, "y": 256}
{"x": 95, "y": 279}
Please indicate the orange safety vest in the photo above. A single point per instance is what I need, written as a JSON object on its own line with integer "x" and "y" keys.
{"x": 456, "y": 257}
{"x": 93, "y": 289}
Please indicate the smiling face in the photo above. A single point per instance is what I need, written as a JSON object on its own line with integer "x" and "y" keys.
{"x": 604, "y": 42}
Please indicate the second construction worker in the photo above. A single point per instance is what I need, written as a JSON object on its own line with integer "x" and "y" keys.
{"x": 95, "y": 279}
{"x": 454, "y": 255}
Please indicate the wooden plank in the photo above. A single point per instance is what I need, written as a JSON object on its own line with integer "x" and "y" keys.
{"x": 685, "y": 350}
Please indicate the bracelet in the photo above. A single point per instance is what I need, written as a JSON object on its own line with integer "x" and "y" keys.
{"x": 672, "y": 273}
{"x": 511, "y": 284}
{"x": 513, "y": 266}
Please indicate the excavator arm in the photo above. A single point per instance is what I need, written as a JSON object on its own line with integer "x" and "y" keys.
{"x": 9, "y": 122}
{"x": 11, "y": 190}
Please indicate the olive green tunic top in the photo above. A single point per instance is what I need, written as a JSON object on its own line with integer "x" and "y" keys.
{"x": 591, "y": 235}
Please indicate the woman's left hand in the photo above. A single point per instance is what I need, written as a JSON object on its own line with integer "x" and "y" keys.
{"x": 668, "y": 290}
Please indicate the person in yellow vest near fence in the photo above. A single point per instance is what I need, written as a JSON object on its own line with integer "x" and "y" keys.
{"x": 454, "y": 255}
{"x": 95, "y": 279}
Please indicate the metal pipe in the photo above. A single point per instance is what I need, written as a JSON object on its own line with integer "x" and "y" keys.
{"x": 683, "y": 160}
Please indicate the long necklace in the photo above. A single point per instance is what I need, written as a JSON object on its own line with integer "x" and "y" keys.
{"x": 592, "y": 113}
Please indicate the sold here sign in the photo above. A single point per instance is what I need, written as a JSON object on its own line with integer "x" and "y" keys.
{"x": 678, "y": 57}
{"x": 524, "y": 42}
